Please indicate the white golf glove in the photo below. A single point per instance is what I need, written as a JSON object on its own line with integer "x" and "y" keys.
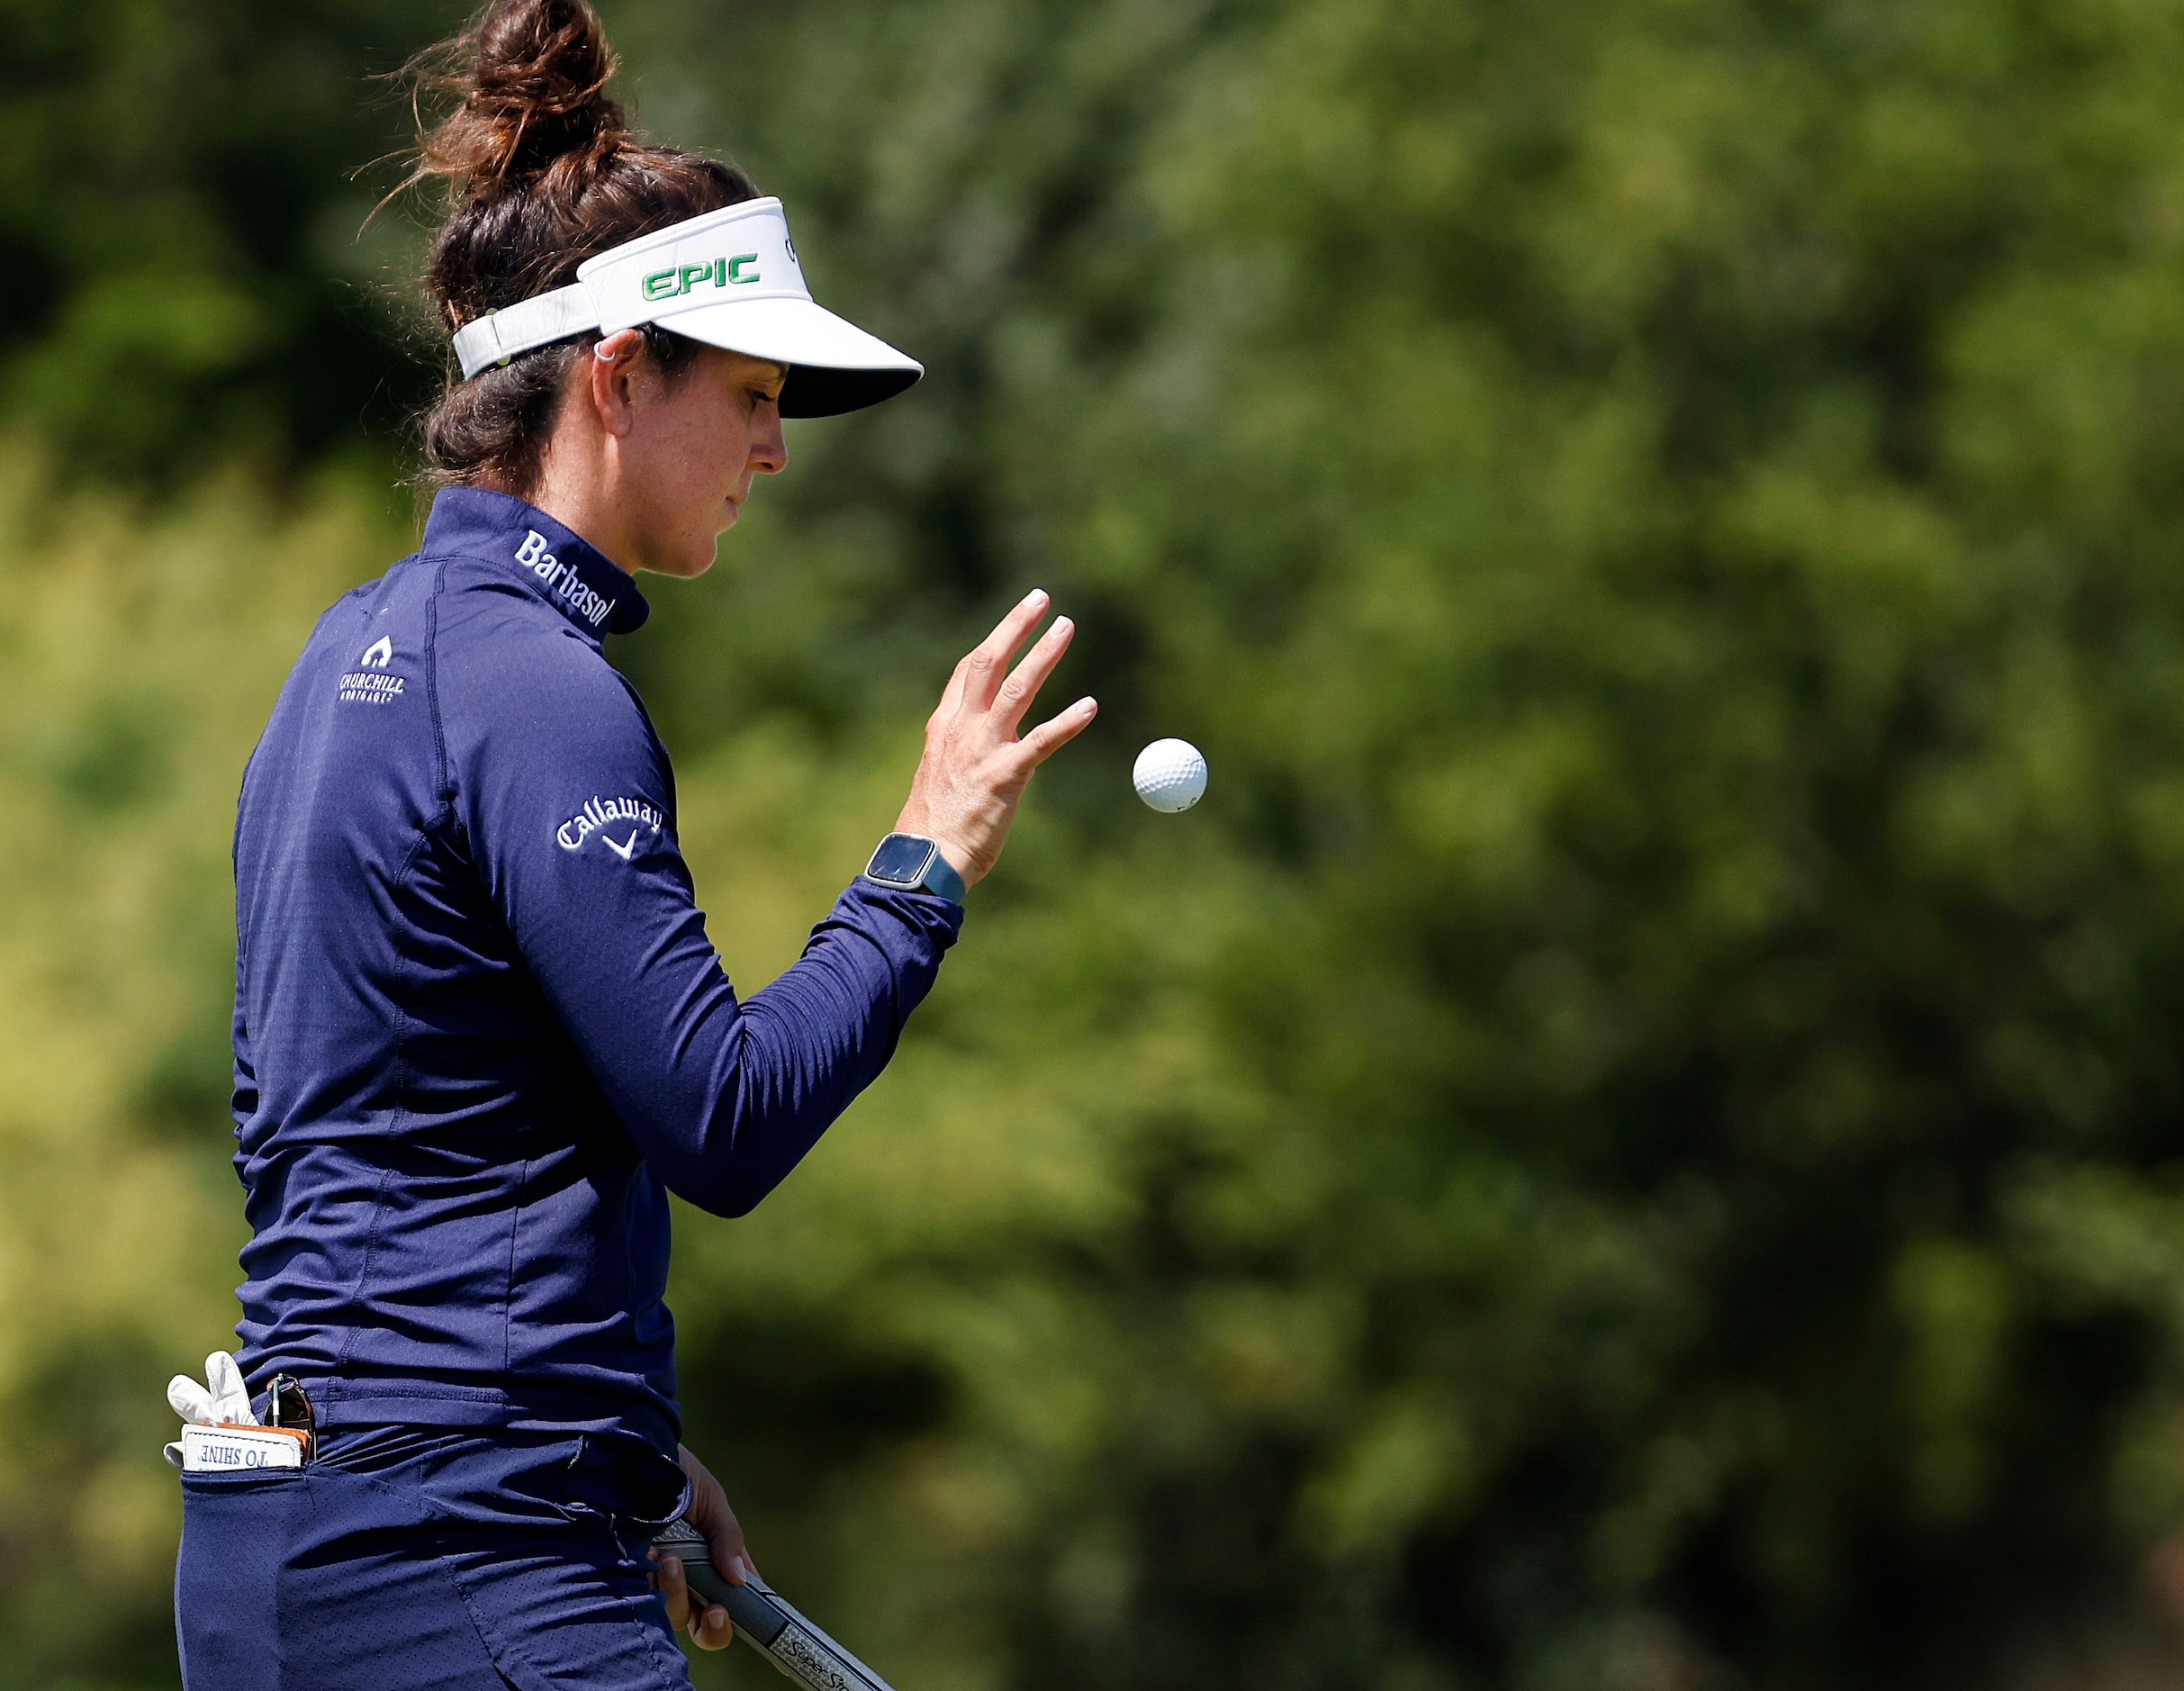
{"x": 222, "y": 1399}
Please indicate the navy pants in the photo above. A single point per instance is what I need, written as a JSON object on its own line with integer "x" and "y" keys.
{"x": 427, "y": 1561}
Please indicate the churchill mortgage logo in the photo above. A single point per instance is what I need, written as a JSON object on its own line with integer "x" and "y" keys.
{"x": 369, "y": 682}
{"x": 563, "y": 582}
{"x": 604, "y": 817}
{"x": 721, "y": 273}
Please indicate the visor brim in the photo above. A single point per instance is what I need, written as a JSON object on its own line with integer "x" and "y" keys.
{"x": 834, "y": 366}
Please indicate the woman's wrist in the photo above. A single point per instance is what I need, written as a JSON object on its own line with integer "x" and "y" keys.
{"x": 915, "y": 819}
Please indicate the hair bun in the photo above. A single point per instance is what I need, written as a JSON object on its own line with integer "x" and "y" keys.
{"x": 532, "y": 74}
{"x": 543, "y": 173}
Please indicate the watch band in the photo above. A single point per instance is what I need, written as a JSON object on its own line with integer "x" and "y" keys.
{"x": 915, "y": 863}
{"x": 940, "y": 877}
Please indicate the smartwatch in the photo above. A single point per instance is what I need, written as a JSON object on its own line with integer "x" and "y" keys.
{"x": 915, "y": 863}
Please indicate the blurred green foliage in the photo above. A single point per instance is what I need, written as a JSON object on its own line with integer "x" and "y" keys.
{"x": 1632, "y": 1142}
{"x": 182, "y": 276}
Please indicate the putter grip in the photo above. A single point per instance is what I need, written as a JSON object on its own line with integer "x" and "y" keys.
{"x": 766, "y": 1620}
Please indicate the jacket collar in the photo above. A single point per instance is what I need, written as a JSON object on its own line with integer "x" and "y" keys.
{"x": 554, "y": 561}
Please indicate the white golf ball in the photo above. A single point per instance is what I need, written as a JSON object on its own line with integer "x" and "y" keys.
{"x": 1169, "y": 775}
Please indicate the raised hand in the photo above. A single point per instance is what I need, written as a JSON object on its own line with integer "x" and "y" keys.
{"x": 975, "y": 764}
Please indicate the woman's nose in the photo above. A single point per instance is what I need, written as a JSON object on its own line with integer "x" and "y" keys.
{"x": 770, "y": 451}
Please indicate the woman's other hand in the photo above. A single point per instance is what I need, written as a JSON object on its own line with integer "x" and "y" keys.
{"x": 975, "y": 765}
{"x": 710, "y": 1514}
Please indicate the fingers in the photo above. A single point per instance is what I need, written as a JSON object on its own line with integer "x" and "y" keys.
{"x": 973, "y": 767}
{"x": 713, "y": 1630}
{"x": 730, "y": 1555}
{"x": 190, "y": 1400}
{"x": 1050, "y": 737}
{"x": 710, "y": 1625}
{"x": 952, "y": 695}
{"x": 1022, "y": 687}
{"x": 668, "y": 1581}
{"x": 230, "y": 1397}
{"x": 979, "y": 676}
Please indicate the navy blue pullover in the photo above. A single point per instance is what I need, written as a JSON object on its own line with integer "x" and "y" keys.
{"x": 479, "y": 1032}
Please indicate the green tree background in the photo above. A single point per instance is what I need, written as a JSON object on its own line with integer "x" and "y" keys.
{"x": 1634, "y": 1140}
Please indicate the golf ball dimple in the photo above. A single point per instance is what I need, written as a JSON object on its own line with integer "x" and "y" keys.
{"x": 1169, "y": 775}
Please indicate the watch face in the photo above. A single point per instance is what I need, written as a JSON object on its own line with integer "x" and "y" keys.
{"x": 901, "y": 859}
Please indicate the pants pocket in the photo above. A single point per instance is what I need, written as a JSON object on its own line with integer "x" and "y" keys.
{"x": 300, "y": 1579}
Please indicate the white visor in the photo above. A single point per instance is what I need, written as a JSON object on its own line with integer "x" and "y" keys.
{"x": 730, "y": 279}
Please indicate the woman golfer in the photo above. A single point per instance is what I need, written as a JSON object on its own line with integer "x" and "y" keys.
{"x": 479, "y": 1032}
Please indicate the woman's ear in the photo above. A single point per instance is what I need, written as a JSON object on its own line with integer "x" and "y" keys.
{"x": 612, "y": 371}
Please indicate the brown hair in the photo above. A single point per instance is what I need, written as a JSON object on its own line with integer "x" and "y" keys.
{"x": 542, "y": 171}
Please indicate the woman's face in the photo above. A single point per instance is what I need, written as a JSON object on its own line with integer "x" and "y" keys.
{"x": 695, "y": 443}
